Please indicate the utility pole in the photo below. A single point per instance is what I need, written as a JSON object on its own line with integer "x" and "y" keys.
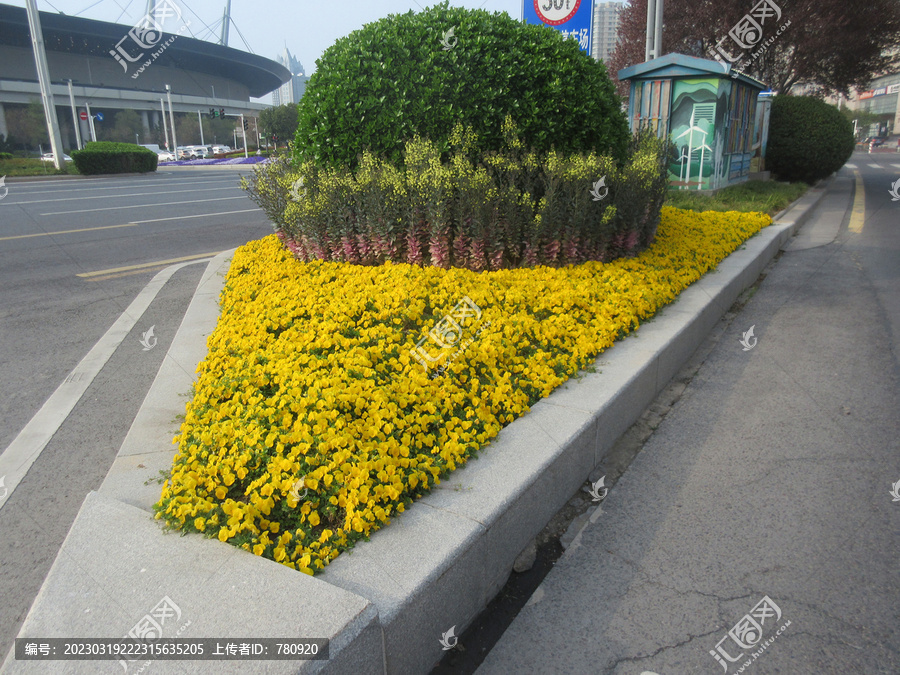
{"x": 75, "y": 117}
{"x": 172, "y": 121}
{"x": 653, "y": 49}
{"x": 200, "y": 120}
{"x": 40, "y": 61}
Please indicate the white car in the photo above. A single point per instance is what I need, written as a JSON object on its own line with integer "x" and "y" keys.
{"x": 220, "y": 149}
{"x": 48, "y": 157}
{"x": 165, "y": 156}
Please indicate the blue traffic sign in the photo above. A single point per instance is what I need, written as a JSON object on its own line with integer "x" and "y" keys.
{"x": 572, "y": 18}
{"x": 99, "y": 117}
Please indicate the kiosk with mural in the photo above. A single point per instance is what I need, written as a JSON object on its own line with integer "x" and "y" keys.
{"x": 707, "y": 111}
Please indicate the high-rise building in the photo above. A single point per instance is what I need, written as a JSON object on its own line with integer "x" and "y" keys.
{"x": 606, "y": 29}
{"x": 292, "y": 90}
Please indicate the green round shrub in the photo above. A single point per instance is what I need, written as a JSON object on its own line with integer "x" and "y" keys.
{"x": 422, "y": 73}
{"x": 808, "y": 139}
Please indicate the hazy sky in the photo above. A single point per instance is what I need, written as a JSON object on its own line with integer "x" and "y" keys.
{"x": 307, "y": 27}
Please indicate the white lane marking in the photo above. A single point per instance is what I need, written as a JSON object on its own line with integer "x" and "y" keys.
{"x": 82, "y": 186}
{"x": 133, "y": 194}
{"x": 143, "y": 206}
{"x": 201, "y": 215}
{"x": 17, "y": 459}
{"x": 896, "y": 166}
{"x": 850, "y": 166}
{"x": 875, "y": 166}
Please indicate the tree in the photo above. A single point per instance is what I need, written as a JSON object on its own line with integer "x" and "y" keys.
{"x": 280, "y": 121}
{"x": 126, "y": 124}
{"x": 864, "y": 119}
{"x": 832, "y": 44}
{"x": 27, "y": 125}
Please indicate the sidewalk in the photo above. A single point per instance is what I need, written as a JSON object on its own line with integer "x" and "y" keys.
{"x": 771, "y": 478}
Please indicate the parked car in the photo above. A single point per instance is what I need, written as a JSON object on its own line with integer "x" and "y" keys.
{"x": 186, "y": 153}
{"x": 165, "y": 156}
{"x": 203, "y": 151}
{"x": 876, "y": 142}
{"x": 48, "y": 157}
{"x": 220, "y": 149}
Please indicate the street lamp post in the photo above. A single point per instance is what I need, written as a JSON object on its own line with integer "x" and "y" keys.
{"x": 172, "y": 120}
{"x": 87, "y": 106}
{"x": 43, "y": 73}
{"x": 75, "y": 117}
{"x": 162, "y": 106}
{"x": 200, "y": 122}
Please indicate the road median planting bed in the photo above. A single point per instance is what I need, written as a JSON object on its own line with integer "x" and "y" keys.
{"x": 321, "y": 411}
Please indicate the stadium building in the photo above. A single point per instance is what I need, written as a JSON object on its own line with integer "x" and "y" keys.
{"x": 116, "y": 67}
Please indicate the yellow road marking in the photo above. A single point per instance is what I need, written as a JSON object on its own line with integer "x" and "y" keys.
{"x": 858, "y": 215}
{"x": 144, "y": 266}
{"x": 50, "y": 234}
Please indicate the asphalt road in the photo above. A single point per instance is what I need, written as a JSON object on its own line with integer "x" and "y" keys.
{"x": 74, "y": 254}
{"x": 755, "y": 531}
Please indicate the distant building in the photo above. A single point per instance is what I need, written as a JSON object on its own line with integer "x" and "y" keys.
{"x": 292, "y": 90}
{"x": 606, "y": 29}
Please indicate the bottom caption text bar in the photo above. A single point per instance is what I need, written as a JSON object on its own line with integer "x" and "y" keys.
{"x": 185, "y": 649}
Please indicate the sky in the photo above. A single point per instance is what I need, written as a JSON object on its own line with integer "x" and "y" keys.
{"x": 306, "y": 27}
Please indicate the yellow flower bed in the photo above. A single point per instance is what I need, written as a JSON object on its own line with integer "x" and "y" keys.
{"x": 312, "y": 423}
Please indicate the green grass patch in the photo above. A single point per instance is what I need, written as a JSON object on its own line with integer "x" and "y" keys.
{"x": 33, "y": 167}
{"x": 762, "y": 196}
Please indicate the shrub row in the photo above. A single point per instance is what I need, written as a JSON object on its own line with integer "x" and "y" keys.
{"x": 478, "y": 210}
{"x": 6, "y": 155}
{"x": 808, "y": 139}
{"x": 108, "y": 157}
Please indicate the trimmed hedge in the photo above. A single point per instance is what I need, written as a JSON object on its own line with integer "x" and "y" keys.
{"x": 512, "y": 208}
{"x": 107, "y": 157}
{"x": 6, "y": 155}
{"x": 419, "y": 74}
{"x": 808, "y": 139}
